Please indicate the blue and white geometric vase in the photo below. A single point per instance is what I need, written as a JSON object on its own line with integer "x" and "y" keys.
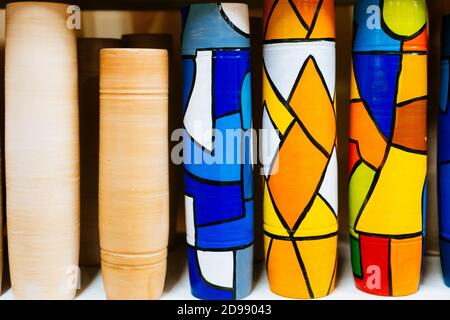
{"x": 217, "y": 118}
{"x": 443, "y": 165}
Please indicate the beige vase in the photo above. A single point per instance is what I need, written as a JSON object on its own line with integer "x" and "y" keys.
{"x": 41, "y": 151}
{"x": 164, "y": 41}
{"x": 133, "y": 180}
{"x": 88, "y": 84}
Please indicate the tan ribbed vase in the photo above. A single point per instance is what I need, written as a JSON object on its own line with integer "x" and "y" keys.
{"x": 88, "y": 84}
{"x": 41, "y": 151}
{"x": 164, "y": 41}
{"x": 133, "y": 183}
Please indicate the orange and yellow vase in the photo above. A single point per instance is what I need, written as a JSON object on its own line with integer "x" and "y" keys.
{"x": 299, "y": 147}
{"x": 388, "y": 145}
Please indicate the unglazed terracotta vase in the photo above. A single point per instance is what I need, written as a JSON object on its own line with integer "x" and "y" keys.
{"x": 133, "y": 183}
{"x": 164, "y": 41}
{"x": 41, "y": 151}
{"x": 299, "y": 147}
{"x": 388, "y": 145}
{"x": 218, "y": 171}
{"x": 88, "y": 95}
{"x": 443, "y": 161}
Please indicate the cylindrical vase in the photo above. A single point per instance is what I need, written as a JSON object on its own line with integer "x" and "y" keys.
{"x": 164, "y": 41}
{"x": 133, "y": 172}
{"x": 88, "y": 86}
{"x": 217, "y": 118}
{"x": 299, "y": 147}
{"x": 443, "y": 161}
{"x": 388, "y": 145}
{"x": 41, "y": 151}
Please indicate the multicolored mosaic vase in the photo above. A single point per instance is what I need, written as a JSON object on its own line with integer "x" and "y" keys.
{"x": 218, "y": 169}
{"x": 388, "y": 145}
{"x": 299, "y": 147}
{"x": 443, "y": 164}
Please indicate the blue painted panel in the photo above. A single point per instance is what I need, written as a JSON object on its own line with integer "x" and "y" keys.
{"x": 376, "y": 76}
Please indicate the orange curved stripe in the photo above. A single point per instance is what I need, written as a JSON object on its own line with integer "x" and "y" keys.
{"x": 372, "y": 145}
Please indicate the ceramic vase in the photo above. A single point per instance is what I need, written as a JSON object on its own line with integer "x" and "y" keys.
{"x": 41, "y": 151}
{"x": 133, "y": 172}
{"x": 218, "y": 168}
{"x": 164, "y": 41}
{"x": 388, "y": 145}
{"x": 443, "y": 161}
{"x": 88, "y": 86}
{"x": 299, "y": 147}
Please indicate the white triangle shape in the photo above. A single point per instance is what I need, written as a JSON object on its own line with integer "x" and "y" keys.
{"x": 329, "y": 188}
{"x": 284, "y": 61}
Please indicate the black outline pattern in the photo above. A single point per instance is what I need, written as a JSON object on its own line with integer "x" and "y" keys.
{"x": 290, "y": 232}
{"x": 390, "y": 144}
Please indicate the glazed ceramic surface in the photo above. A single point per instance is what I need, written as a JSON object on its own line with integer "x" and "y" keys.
{"x": 299, "y": 147}
{"x": 388, "y": 145}
{"x": 218, "y": 192}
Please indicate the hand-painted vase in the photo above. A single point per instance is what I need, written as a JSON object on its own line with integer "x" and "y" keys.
{"x": 388, "y": 145}
{"x": 299, "y": 147}
{"x": 88, "y": 85}
{"x": 443, "y": 164}
{"x": 41, "y": 151}
{"x": 217, "y": 118}
{"x": 164, "y": 41}
{"x": 133, "y": 172}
